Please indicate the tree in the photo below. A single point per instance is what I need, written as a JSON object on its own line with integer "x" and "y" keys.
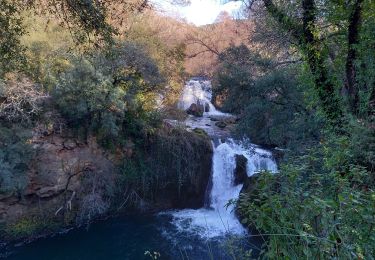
{"x": 313, "y": 25}
{"x": 11, "y": 30}
{"x": 93, "y": 21}
{"x": 351, "y": 86}
{"x": 204, "y": 44}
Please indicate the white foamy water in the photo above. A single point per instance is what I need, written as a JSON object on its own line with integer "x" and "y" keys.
{"x": 198, "y": 92}
{"x": 219, "y": 218}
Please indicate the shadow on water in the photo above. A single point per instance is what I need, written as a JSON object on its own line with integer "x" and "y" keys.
{"x": 128, "y": 237}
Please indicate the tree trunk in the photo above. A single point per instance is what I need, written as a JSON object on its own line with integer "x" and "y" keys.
{"x": 351, "y": 88}
{"x": 309, "y": 42}
{"x": 312, "y": 49}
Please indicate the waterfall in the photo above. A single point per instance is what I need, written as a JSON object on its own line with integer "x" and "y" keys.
{"x": 198, "y": 91}
{"x": 218, "y": 219}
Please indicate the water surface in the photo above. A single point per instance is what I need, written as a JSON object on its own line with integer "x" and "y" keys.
{"x": 127, "y": 237}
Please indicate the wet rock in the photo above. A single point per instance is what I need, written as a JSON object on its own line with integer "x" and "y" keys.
{"x": 183, "y": 187}
{"x": 200, "y": 131}
{"x": 214, "y": 119}
{"x": 206, "y": 107}
{"x": 240, "y": 173}
{"x": 170, "y": 123}
{"x": 195, "y": 110}
{"x": 230, "y": 120}
{"x": 221, "y": 124}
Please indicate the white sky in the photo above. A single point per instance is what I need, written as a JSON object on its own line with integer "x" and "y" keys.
{"x": 200, "y": 12}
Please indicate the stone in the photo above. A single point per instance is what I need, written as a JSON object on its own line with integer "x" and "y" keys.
{"x": 195, "y": 110}
{"x": 206, "y": 107}
{"x": 221, "y": 124}
{"x": 200, "y": 131}
{"x": 240, "y": 172}
{"x": 69, "y": 144}
{"x": 230, "y": 120}
{"x": 47, "y": 192}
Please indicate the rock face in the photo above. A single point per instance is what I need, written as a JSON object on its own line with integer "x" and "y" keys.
{"x": 240, "y": 172}
{"x": 182, "y": 162}
{"x": 195, "y": 110}
{"x": 59, "y": 179}
{"x": 65, "y": 173}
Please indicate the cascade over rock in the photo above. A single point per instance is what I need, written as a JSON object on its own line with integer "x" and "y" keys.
{"x": 196, "y": 110}
{"x": 232, "y": 162}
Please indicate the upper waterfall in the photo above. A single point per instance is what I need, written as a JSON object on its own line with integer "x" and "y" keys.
{"x": 198, "y": 91}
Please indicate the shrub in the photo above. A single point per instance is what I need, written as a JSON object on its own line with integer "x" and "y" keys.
{"x": 320, "y": 205}
{"x": 15, "y": 156}
{"x": 109, "y": 95}
{"x": 20, "y": 100}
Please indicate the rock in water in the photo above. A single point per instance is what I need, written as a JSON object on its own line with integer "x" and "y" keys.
{"x": 221, "y": 124}
{"x": 200, "y": 131}
{"x": 195, "y": 110}
{"x": 207, "y": 107}
{"x": 240, "y": 172}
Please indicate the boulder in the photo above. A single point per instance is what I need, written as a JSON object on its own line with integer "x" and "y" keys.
{"x": 195, "y": 110}
{"x": 200, "y": 131}
{"x": 69, "y": 144}
{"x": 240, "y": 172}
{"x": 221, "y": 124}
{"x": 206, "y": 107}
{"x": 47, "y": 192}
{"x": 183, "y": 186}
{"x": 230, "y": 120}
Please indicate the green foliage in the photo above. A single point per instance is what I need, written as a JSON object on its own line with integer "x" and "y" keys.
{"x": 28, "y": 227}
{"x": 271, "y": 100}
{"x": 321, "y": 203}
{"x": 110, "y": 96}
{"x": 48, "y": 50}
{"x": 15, "y": 156}
{"x": 276, "y": 114}
{"x": 314, "y": 208}
{"x": 86, "y": 96}
{"x": 11, "y": 51}
{"x": 235, "y": 77}
{"x": 169, "y": 54}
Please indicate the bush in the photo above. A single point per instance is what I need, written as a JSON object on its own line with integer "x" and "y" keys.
{"x": 320, "y": 205}
{"x": 99, "y": 190}
{"x": 20, "y": 100}
{"x": 270, "y": 100}
{"x": 109, "y": 96}
{"x": 15, "y": 156}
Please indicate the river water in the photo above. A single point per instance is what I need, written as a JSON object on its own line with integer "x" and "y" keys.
{"x": 212, "y": 232}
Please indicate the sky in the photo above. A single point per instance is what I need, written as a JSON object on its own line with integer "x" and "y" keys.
{"x": 199, "y": 12}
